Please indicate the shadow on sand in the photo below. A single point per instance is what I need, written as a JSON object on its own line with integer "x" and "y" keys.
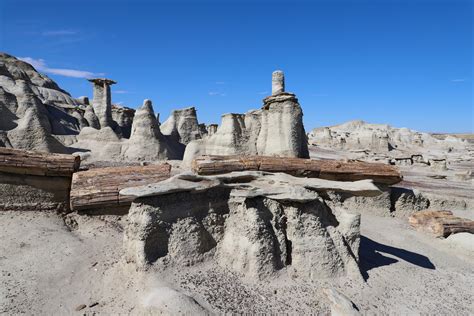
{"x": 371, "y": 257}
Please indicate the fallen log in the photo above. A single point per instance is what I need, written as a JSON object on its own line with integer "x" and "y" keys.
{"x": 99, "y": 188}
{"x": 324, "y": 169}
{"x": 24, "y": 162}
{"x": 440, "y": 223}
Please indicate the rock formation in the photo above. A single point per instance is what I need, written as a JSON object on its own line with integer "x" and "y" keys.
{"x": 252, "y": 223}
{"x": 275, "y": 130}
{"x": 146, "y": 140}
{"x": 123, "y": 116}
{"x": 102, "y": 101}
{"x": 91, "y": 118}
{"x": 35, "y": 114}
{"x": 378, "y": 138}
{"x": 182, "y": 125}
{"x": 35, "y": 181}
{"x": 29, "y": 104}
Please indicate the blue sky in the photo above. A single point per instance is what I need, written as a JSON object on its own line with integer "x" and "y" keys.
{"x": 406, "y": 63}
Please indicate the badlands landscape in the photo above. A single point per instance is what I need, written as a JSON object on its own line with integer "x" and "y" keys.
{"x": 111, "y": 210}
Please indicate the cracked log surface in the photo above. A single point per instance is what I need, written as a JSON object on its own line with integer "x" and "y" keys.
{"x": 440, "y": 223}
{"x": 25, "y": 162}
{"x": 99, "y": 188}
{"x": 324, "y": 169}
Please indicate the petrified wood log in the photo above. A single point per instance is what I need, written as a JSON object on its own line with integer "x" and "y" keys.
{"x": 440, "y": 223}
{"x": 324, "y": 169}
{"x": 36, "y": 163}
{"x": 99, "y": 188}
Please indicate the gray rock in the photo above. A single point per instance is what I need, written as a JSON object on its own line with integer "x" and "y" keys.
{"x": 277, "y": 186}
{"x": 379, "y": 138}
{"x": 278, "y": 82}
{"x": 124, "y": 118}
{"x": 91, "y": 118}
{"x": 276, "y": 130}
{"x": 102, "y": 101}
{"x": 182, "y": 125}
{"x": 253, "y": 236}
{"x": 340, "y": 304}
{"x": 83, "y": 100}
{"x": 146, "y": 140}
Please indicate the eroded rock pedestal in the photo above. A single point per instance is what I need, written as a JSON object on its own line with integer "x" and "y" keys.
{"x": 252, "y": 223}
{"x": 274, "y": 130}
{"x": 102, "y": 101}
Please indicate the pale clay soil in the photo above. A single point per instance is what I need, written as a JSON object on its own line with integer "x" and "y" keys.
{"x": 47, "y": 268}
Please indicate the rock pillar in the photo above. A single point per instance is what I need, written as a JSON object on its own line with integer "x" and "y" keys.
{"x": 278, "y": 82}
{"x": 102, "y": 101}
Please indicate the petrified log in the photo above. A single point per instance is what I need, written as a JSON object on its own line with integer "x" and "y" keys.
{"x": 324, "y": 169}
{"x": 99, "y": 188}
{"x": 440, "y": 223}
{"x": 36, "y": 163}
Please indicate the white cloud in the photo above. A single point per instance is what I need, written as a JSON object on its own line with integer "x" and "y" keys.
{"x": 213, "y": 93}
{"x": 220, "y": 82}
{"x": 121, "y": 91}
{"x": 263, "y": 92}
{"x": 58, "y": 33}
{"x": 458, "y": 80}
{"x": 41, "y": 66}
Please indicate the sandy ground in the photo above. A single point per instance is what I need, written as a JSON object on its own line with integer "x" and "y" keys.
{"x": 49, "y": 268}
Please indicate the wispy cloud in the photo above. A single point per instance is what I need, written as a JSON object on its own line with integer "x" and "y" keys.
{"x": 59, "y": 33}
{"x": 41, "y": 66}
{"x": 220, "y": 82}
{"x": 122, "y": 91}
{"x": 458, "y": 80}
{"x": 320, "y": 94}
{"x": 214, "y": 93}
{"x": 263, "y": 92}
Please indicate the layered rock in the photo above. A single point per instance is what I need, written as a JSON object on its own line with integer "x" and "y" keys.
{"x": 33, "y": 130}
{"x": 36, "y": 114}
{"x": 91, "y": 118}
{"x": 33, "y": 108}
{"x": 359, "y": 135}
{"x": 102, "y": 101}
{"x": 182, "y": 125}
{"x": 275, "y": 130}
{"x": 252, "y": 223}
{"x": 13, "y": 69}
{"x": 123, "y": 116}
{"x": 146, "y": 140}
{"x": 35, "y": 181}
{"x": 282, "y": 132}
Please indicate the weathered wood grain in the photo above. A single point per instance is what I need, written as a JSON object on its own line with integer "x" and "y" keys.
{"x": 440, "y": 223}
{"x": 99, "y": 188}
{"x": 324, "y": 169}
{"x": 24, "y": 162}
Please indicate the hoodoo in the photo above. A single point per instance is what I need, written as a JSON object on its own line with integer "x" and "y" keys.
{"x": 102, "y": 101}
{"x": 274, "y": 130}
